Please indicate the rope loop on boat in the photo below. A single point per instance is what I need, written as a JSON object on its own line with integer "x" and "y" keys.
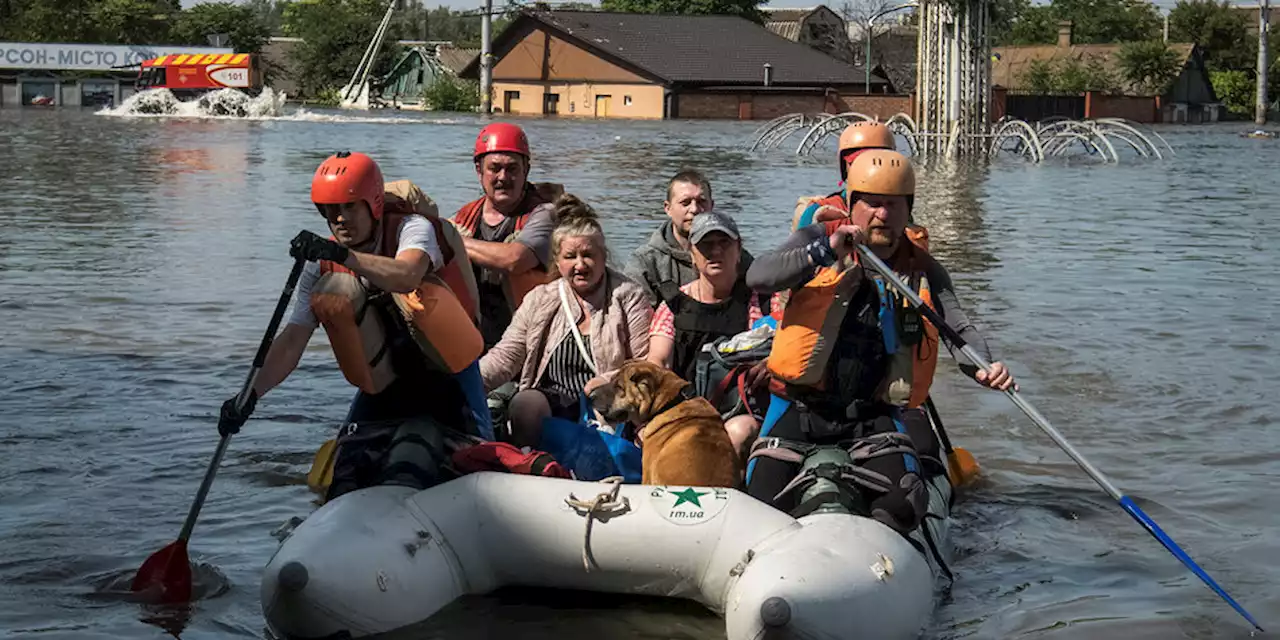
{"x": 605, "y": 505}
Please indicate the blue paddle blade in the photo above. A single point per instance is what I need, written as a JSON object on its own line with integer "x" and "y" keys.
{"x": 1154, "y": 529}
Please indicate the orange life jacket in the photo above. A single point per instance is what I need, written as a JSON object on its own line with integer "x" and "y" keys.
{"x": 467, "y": 220}
{"x": 442, "y": 314}
{"x": 832, "y": 219}
{"x": 811, "y": 323}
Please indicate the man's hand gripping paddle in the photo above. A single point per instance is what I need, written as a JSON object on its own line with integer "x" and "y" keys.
{"x": 1126, "y": 503}
{"x": 166, "y": 576}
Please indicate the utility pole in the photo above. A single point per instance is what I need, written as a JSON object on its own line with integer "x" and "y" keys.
{"x": 1260, "y": 109}
{"x": 1166, "y": 28}
{"x": 486, "y": 59}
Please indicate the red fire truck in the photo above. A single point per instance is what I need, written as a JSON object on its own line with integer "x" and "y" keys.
{"x": 190, "y": 75}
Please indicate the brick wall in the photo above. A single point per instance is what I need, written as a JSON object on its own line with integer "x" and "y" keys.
{"x": 723, "y": 106}
{"x": 1142, "y": 110}
{"x": 772, "y": 104}
{"x": 882, "y": 107}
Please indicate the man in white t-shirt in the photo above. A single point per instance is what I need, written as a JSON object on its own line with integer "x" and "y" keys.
{"x": 365, "y": 262}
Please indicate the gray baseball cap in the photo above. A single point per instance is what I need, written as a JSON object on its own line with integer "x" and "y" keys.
{"x": 705, "y": 223}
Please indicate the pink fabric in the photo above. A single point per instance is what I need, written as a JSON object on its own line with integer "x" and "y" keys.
{"x": 664, "y": 321}
{"x": 619, "y": 332}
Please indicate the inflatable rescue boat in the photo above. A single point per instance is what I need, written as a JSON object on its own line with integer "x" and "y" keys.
{"x": 387, "y": 557}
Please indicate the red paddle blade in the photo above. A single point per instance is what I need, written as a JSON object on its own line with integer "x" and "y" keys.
{"x": 166, "y": 575}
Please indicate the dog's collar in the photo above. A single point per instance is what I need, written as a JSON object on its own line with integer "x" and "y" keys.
{"x": 686, "y": 394}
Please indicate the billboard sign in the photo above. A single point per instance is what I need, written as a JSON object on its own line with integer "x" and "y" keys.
{"x": 87, "y": 57}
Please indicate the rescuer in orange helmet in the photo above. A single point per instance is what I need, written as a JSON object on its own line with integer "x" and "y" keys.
{"x": 852, "y": 358}
{"x": 855, "y": 139}
{"x": 507, "y": 232}
{"x": 381, "y": 289}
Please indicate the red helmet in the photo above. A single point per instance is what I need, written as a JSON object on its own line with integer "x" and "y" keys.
{"x": 501, "y": 136}
{"x": 347, "y": 177}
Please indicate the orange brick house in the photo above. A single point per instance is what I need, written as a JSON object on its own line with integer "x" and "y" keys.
{"x": 623, "y": 65}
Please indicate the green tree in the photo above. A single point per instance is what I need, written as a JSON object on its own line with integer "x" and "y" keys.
{"x": 244, "y": 26}
{"x": 1093, "y": 21}
{"x": 1068, "y": 75}
{"x": 1003, "y": 14}
{"x": 1235, "y": 90}
{"x": 749, "y": 9}
{"x": 1221, "y": 31}
{"x": 335, "y": 35}
{"x": 134, "y": 21}
{"x": 448, "y": 93}
{"x": 270, "y": 13}
{"x": 1039, "y": 77}
{"x": 1149, "y": 66}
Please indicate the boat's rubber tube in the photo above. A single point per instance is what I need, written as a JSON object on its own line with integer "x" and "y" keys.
{"x": 384, "y": 558}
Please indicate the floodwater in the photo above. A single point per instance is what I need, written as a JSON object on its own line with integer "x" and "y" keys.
{"x": 140, "y": 259}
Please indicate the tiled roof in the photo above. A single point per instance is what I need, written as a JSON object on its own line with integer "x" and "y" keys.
{"x": 687, "y": 49}
{"x": 1010, "y": 64}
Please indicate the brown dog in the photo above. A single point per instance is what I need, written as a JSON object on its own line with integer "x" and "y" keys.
{"x": 683, "y": 440}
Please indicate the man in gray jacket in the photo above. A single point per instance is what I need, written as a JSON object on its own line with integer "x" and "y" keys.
{"x": 665, "y": 257}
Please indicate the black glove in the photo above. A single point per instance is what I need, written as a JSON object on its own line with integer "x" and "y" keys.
{"x": 311, "y": 247}
{"x": 230, "y": 420}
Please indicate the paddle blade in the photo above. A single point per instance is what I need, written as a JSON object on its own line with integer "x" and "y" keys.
{"x": 1154, "y": 529}
{"x": 321, "y": 474}
{"x": 166, "y": 575}
{"x": 962, "y": 467}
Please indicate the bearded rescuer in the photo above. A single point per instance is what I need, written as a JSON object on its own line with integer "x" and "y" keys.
{"x": 851, "y": 361}
{"x": 398, "y": 332}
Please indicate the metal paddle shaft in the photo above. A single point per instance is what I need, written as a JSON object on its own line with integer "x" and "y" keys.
{"x": 243, "y": 398}
{"x": 1126, "y": 502}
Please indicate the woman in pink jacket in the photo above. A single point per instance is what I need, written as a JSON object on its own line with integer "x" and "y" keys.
{"x": 581, "y": 326}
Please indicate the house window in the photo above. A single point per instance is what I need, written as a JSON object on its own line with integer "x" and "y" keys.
{"x": 550, "y": 104}
{"x": 626, "y": 101}
{"x": 510, "y": 101}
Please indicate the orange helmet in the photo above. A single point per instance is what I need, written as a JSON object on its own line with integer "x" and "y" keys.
{"x": 863, "y": 135}
{"x": 347, "y": 177}
{"x": 880, "y": 172}
{"x": 504, "y": 137}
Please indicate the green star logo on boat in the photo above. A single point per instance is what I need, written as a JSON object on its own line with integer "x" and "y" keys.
{"x": 688, "y": 495}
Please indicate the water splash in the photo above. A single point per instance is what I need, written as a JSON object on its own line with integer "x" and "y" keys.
{"x": 234, "y": 105}
{"x": 223, "y": 103}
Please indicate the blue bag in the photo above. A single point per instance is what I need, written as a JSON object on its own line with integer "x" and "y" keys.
{"x": 591, "y": 454}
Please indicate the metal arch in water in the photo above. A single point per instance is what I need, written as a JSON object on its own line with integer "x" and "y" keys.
{"x": 903, "y": 125}
{"x": 772, "y": 133}
{"x": 1062, "y": 140}
{"x": 759, "y": 132}
{"x": 826, "y": 127}
{"x": 1092, "y": 134}
{"x": 1142, "y": 150}
{"x": 1121, "y": 123}
{"x": 1019, "y": 129}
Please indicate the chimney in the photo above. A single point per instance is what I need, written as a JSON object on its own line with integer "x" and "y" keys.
{"x": 1064, "y": 34}
{"x": 768, "y": 74}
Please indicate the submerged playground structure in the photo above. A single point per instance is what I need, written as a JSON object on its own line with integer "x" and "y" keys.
{"x": 953, "y": 99}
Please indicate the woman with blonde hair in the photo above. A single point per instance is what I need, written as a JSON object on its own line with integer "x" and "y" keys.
{"x": 581, "y": 326}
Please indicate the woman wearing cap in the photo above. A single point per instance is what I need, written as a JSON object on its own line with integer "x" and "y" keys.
{"x": 567, "y": 332}
{"x": 718, "y": 304}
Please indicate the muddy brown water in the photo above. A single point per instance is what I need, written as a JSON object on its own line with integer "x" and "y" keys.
{"x": 140, "y": 259}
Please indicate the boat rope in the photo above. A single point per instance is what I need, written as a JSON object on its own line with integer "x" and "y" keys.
{"x": 604, "y": 505}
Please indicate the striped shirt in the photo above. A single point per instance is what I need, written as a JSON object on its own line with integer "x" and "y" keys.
{"x": 567, "y": 373}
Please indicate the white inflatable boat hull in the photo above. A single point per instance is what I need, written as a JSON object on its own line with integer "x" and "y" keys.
{"x": 384, "y": 558}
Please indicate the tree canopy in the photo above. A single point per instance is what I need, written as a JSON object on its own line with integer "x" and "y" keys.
{"x": 132, "y": 22}
{"x": 1092, "y": 21}
{"x": 749, "y": 9}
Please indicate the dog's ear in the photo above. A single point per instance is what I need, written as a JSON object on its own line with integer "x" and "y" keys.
{"x": 666, "y": 387}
